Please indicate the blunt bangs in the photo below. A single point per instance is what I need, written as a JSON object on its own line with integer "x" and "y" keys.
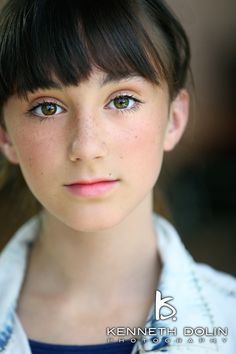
{"x": 66, "y": 40}
{"x": 48, "y": 43}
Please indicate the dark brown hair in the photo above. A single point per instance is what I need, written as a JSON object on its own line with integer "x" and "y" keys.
{"x": 43, "y": 39}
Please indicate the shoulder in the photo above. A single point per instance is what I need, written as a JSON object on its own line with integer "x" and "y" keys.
{"x": 13, "y": 260}
{"x": 217, "y": 284}
{"x": 200, "y": 291}
{"x": 217, "y": 280}
{"x": 218, "y": 292}
{"x": 177, "y": 258}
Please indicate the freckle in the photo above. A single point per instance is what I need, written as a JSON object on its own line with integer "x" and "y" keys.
{"x": 121, "y": 157}
{"x": 136, "y": 136}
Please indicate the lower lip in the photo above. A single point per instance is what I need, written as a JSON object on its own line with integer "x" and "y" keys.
{"x": 93, "y": 189}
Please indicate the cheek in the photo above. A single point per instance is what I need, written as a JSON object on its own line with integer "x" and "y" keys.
{"x": 142, "y": 149}
{"x": 36, "y": 154}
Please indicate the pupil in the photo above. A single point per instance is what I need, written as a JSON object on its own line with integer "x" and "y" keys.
{"x": 121, "y": 102}
{"x": 49, "y": 109}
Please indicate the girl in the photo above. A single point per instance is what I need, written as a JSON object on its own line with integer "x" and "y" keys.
{"x": 92, "y": 94}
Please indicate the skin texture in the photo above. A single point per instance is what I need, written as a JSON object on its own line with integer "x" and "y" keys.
{"x": 125, "y": 145}
{"x": 98, "y": 237}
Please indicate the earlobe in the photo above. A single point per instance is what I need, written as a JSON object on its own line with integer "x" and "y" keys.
{"x": 6, "y": 146}
{"x": 178, "y": 118}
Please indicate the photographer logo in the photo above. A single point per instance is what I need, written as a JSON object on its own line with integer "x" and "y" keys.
{"x": 164, "y": 303}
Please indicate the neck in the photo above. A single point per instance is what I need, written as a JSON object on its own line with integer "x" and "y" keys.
{"x": 118, "y": 262}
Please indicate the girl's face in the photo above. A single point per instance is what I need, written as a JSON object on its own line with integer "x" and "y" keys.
{"x": 101, "y": 129}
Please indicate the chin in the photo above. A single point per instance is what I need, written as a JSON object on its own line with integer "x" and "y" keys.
{"x": 93, "y": 222}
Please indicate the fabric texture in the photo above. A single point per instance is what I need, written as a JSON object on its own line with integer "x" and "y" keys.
{"x": 205, "y": 299}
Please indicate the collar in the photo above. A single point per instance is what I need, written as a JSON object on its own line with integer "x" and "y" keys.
{"x": 180, "y": 281}
{"x": 13, "y": 261}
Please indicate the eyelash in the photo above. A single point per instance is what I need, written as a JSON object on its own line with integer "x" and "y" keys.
{"x": 135, "y": 107}
{"x": 31, "y": 113}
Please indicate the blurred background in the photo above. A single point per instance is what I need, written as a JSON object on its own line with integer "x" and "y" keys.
{"x": 199, "y": 177}
{"x": 197, "y": 183}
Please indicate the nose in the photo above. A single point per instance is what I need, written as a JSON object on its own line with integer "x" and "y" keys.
{"x": 88, "y": 140}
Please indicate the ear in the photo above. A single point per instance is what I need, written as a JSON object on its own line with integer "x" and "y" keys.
{"x": 178, "y": 118}
{"x": 6, "y": 146}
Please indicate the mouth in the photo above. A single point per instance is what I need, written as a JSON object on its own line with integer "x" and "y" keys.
{"x": 90, "y": 181}
{"x": 92, "y": 188}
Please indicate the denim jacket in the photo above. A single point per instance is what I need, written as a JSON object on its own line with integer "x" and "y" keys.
{"x": 205, "y": 299}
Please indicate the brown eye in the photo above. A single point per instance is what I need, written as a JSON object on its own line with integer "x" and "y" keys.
{"x": 49, "y": 108}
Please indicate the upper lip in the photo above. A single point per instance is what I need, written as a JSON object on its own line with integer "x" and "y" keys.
{"x": 91, "y": 181}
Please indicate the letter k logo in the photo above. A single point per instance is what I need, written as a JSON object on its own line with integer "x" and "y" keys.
{"x": 163, "y": 302}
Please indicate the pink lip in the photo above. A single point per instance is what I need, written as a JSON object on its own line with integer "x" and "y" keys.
{"x": 91, "y": 189}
